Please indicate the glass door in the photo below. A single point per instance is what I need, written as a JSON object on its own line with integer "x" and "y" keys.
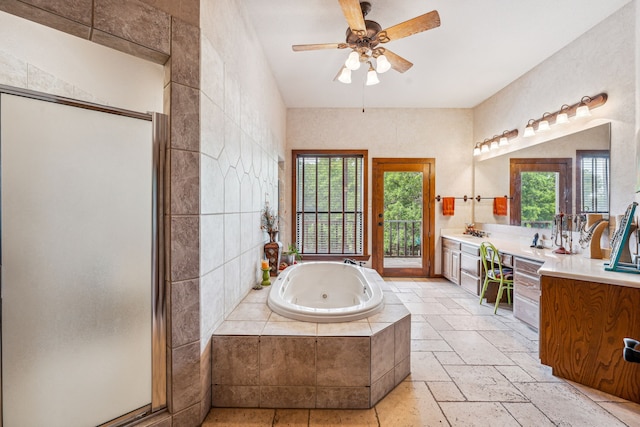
{"x": 402, "y": 227}
{"x": 79, "y": 245}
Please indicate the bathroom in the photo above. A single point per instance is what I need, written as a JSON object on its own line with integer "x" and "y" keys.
{"x": 219, "y": 180}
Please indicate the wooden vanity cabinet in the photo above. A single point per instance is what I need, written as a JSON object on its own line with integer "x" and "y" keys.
{"x": 526, "y": 291}
{"x": 451, "y": 260}
{"x": 470, "y": 268}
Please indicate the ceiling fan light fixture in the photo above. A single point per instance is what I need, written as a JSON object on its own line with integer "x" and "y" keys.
{"x": 353, "y": 61}
{"x": 382, "y": 64}
{"x": 372, "y": 76}
{"x": 345, "y": 76}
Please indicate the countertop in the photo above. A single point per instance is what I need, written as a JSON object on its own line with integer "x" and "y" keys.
{"x": 574, "y": 266}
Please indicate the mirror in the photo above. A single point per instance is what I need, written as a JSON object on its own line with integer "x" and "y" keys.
{"x": 492, "y": 176}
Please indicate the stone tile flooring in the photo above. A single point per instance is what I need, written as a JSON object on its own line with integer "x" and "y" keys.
{"x": 469, "y": 367}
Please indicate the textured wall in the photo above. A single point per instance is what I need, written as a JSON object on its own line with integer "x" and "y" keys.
{"x": 601, "y": 60}
{"x": 443, "y": 134}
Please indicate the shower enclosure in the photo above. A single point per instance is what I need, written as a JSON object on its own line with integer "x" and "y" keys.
{"x": 82, "y": 314}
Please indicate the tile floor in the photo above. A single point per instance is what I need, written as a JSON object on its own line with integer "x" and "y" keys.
{"x": 469, "y": 367}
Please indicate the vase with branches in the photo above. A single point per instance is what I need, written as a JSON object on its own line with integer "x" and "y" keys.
{"x": 269, "y": 222}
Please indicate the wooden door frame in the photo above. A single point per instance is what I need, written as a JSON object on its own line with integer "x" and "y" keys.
{"x": 427, "y": 238}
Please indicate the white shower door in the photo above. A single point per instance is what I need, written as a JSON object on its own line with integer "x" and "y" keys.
{"x": 76, "y": 254}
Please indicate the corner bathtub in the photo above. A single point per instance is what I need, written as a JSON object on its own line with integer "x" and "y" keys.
{"x": 325, "y": 292}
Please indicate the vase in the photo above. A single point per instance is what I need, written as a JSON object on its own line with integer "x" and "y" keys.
{"x": 273, "y": 252}
{"x": 273, "y": 236}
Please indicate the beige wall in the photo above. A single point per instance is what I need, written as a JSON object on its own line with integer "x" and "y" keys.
{"x": 601, "y": 60}
{"x": 443, "y": 134}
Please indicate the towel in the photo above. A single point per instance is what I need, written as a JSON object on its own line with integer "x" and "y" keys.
{"x": 448, "y": 206}
{"x": 500, "y": 206}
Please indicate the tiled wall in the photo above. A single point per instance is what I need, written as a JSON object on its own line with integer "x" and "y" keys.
{"x": 242, "y": 138}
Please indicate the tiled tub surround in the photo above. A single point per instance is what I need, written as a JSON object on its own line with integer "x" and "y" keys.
{"x": 263, "y": 360}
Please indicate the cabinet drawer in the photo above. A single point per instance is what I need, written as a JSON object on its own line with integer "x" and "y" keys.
{"x": 527, "y": 292}
{"x": 527, "y": 311}
{"x": 527, "y": 266}
{"x": 527, "y": 286}
{"x": 451, "y": 244}
{"x": 470, "y": 249}
{"x": 470, "y": 283}
{"x": 470, "y": 264}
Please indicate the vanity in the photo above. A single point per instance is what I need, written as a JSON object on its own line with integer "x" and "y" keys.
{"x": 581, "y": 311}
{"x": 524, "y": 260}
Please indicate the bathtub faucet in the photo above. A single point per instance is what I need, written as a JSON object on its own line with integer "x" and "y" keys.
{"x": 350, "y": 261}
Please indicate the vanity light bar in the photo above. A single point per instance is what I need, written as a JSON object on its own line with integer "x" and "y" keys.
{"x": 495, "y": 142}
{"x": 579, "y": 109}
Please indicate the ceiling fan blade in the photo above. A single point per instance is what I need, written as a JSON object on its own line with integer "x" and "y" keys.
{"x": 303, "y": 47}
{"x": 416, "y": 25}
{"x": 353, "y": 14}
{"x": 398, "y": 63}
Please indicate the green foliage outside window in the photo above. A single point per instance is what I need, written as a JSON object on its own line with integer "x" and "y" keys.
{"x": 538, "y": 198}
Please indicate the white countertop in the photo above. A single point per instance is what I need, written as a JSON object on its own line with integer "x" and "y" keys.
{"x": 555, "y": 265}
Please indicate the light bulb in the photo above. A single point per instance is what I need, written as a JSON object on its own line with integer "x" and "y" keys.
{"x": 345, "y": 76}
{"x": 382, "y": 64}
{"x": 372, "y": 77}
{"x": 353, "y": 61}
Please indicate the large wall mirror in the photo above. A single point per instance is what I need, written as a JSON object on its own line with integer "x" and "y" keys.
{"x": 569, "y": 174}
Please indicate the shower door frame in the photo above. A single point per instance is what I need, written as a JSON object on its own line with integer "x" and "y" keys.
{"x": 160, "y": 139}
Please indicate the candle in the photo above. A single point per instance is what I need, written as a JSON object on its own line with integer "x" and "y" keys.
{"x": 265, "y": 264}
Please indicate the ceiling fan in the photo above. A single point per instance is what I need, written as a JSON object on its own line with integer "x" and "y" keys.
{"x": 364, "y": 37}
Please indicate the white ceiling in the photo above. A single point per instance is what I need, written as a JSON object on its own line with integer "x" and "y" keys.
{"x": 480, "y": 47}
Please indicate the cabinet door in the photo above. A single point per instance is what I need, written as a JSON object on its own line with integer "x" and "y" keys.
{"x": 446, "y": 263}
{"x": 455, "y": 267}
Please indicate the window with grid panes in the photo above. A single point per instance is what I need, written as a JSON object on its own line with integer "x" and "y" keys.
{"x": 593, "y": 181}
{"x": 330, "y": 202}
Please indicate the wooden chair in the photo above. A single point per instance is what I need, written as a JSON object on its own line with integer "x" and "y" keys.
{"x": 495, "y": 273}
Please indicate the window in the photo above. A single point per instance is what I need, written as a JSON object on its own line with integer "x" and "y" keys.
{"x": 540, "y": 188}
{"x": 330, "y": 201}
{"x": 592, "y": 185}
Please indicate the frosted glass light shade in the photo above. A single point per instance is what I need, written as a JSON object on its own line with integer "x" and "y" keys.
{"x": 504, "y": 141}
{"x": 345, "y": 76}
{"x": 528, "y": 131}
{"x": 353, "y": 61}
{"x": 382, "y": 64}
{"x": 372, "y": 78}
{"x": 494, "y": 145}
{"x": 485, "y": 148}
{"x": 476, "y": 151}
{"x": 562, "y": 118}
{"x": 543, "y": 126}
{"x": 583, "y": 111}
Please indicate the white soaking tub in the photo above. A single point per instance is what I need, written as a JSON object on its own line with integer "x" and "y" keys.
{"x": 326, "y": 292}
